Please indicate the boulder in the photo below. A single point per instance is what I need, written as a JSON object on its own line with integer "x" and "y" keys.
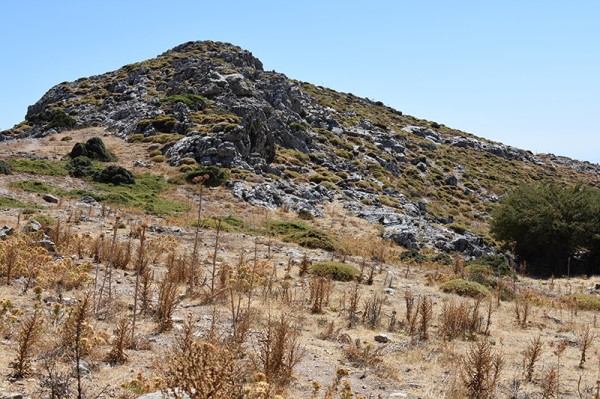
{"x": 50, "y": 198}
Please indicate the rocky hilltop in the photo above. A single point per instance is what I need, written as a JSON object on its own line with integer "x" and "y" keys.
{"x": 296, "y": 145}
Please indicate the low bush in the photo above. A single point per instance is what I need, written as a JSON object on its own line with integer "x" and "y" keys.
{"x": 584, "y": 301}
{"x": 81, "y": 166}
{"x": 413, "y": 255}
{"x": 216, "y": 176}
{"x": 53, "y": 119}
{"x": 465, "y": 288}
{"x": 5, "y": 168}
{"x": 115, "y": 175}
{"x": 335, "y": 270}
{"x": 481, "y": 274}
{"x": 497, "y": 263}
{"x": 304, "y": 235}
{"x": 94, "y": 149}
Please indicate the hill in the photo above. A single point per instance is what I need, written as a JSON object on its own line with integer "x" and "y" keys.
{"x": 274, "y": 270}
{"x": 427, "y": 184}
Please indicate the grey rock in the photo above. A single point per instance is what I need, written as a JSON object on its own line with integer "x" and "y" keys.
{"x": 31, "y": 227}
{"x": 382, "y": 338}
{"x": 6, "y": 231}
{"x": 50, "y": 198}
{"x": 451, "y": 181}
{"x": 47, "y": 244}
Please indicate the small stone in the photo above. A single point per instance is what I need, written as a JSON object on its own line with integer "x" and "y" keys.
{"x": 382, "y": 338}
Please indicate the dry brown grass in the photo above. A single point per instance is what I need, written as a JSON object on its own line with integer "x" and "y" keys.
{"x": 428, "y": 330}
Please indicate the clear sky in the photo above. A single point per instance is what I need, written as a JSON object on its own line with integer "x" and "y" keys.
{"x": 522, "y": 72}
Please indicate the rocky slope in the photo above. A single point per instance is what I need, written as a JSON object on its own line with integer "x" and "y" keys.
{"x": 295, "y": 145}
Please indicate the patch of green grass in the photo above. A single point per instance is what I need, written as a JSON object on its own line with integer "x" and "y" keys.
{"x": 7, "y": 202}
{"x": 304, "y": 235}
{"x": 39, "y": 167}
{"x": 465, "y": 288}
{"x": 191, "y": 100}
{"x": 584, "y": 301}
{"x": 229, "y": 224}
{"x": 143, "y": 194}
{"x": 34, "y": 186}
{"x": 335, "y": 270}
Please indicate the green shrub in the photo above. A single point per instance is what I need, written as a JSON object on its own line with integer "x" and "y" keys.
{"x": 115, "y": 175}
{"x": 187, "y": 161}
{"x": 44, "y": 220}
{"x": 442, "y": 258}
{"x": 584, "y": 301}
{"x": 66, "y": 138}
{"x": 465, "y": 288}
{"x": 154, "y": 153}
{"x": 216, "y": 176}
{"x": 158, "y": 158}
{"x": 164, "y": 123}
{"x": 185, "y": 168}
{"x": 81, "y": 166}
{"x": 413, "y": 255}
{"x": 5, "y": 168}
{"x": 304, "y": 235}
{"x": 335, "y": 270}
{"x": 193, "y": 101}
{"x": 498, "y": 264}
{"x": 295, "y": 126}
{"x": 481, "y": 274}
{"x": 33, "y": 186}
{"x": 94, "y": 149}
{"x": 53, "y": 118}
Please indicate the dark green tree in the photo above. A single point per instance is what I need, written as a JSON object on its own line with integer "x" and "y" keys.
{"x": 554, "y": 229}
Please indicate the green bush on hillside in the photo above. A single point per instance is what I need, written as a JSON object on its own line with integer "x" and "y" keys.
{"x": 94, "y": 149}
{"x": 335, "y": 270}
{"x": 115, "y": 175}
{"x": 5, "y": 168}
{"x": 216, "y": 176}
{"x": 555, "y": 229}
{"x": 465, "y": 288}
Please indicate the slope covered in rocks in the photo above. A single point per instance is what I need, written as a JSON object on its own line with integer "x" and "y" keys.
{"x": 299, "y": 146}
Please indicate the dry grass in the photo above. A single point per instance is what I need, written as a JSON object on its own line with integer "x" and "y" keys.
{"x": 332, "y": 323}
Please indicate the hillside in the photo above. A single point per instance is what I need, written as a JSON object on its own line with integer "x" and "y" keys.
{"x": 255, "y": 250}
{"x": 425, "y": 183}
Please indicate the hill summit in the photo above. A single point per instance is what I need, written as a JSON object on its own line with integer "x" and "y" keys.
{"x": 296, "y": 145}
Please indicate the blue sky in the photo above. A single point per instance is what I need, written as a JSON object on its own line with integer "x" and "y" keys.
{"x": 524, "y": 73}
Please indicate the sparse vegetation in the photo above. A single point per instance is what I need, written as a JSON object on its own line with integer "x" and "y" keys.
{"x": 335, "y": 270}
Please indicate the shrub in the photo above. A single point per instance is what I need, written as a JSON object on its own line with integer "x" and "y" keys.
{"x": 164, "y": 123}
{"x": 81, "y": 166}
{"x": 465, "y": 288}
{"x": 584, "y": 301}
{"x": 413, "y": 255}
{"x": 497, "y": 263}
{"x": 5, "y": 168}
{"x": 94, "y": 149}
{"x": 53, "y": 118}
{"x": 216, "y": 176}
{"x": 158, "y": 158}
{"x": 193, "y": 101}
{"x": 335, "y": 270}
{"x": 202, "y": 370}
{"x": 480, "y": 274}
{"x": 549, "y": 225}
{"x": 115, "y": 175}
{"x": 187, "y": 161}
{"x": 304, "y": 235}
